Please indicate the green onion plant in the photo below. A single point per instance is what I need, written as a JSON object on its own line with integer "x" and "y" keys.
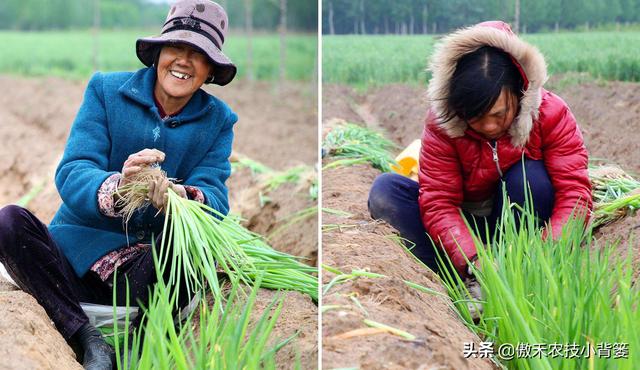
{"x": 219, "y": 337}
{"x": 544, "y": 292}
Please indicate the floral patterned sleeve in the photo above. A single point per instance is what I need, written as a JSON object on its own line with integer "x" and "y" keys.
{"x": 105, "y": 196}
{"x": 194, "y": 193}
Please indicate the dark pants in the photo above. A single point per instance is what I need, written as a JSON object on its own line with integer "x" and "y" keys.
{"x": 36, "y": 264}
{"x": 394, "y": 199}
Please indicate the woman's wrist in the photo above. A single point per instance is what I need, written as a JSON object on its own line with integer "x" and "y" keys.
{"x": 474, "y": 263}
{"x": 180, "y": 190}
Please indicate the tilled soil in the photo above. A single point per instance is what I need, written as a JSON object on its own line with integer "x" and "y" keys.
{"x": 279, "y": 130}
{"x": 609, "y": 116}
{"x": 362, "y": 243}
{"x": 299, "y": 317}
{"x": 622, "y": 234}
{"x": 273, "y": 213}
{"x": 28, "y": 339}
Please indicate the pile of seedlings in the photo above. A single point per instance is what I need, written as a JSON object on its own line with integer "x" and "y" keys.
{"x": 352, "y": 144}
{"x": 198, "y": 244}
{"x": 615, "y": 194}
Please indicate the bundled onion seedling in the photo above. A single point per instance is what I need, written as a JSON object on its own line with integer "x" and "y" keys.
{"x": 353, "y": 144}
{"x": 271, "y": 179}
{"x": 547, "y": 295}
{"x": 279, "y": 270}
{"x": 256, "y": 167}
{"x": 292, "y": 175}
{"x": 203, "y": 241}
{"x": 615, "y": 193}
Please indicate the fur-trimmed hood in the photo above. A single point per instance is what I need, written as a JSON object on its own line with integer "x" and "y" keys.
{"x": 498, "y": 34}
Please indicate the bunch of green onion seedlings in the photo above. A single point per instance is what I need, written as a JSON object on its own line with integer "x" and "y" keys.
{"x": 255, "y": 166}
{"x": 354, "y": 144}
{"x": 615, "y": 194}
{"x": 198, "y": 242}
{"x": 542, "y": 292}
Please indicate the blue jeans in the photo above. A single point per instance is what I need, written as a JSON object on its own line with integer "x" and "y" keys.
{"x": 394, "y": 199}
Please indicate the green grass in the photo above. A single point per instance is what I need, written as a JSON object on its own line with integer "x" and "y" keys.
{"x": 69, "y": 53}
{"x": 291, "y": 175}
{"x": 375, "y": 60}
{"x": 364, "y": 61}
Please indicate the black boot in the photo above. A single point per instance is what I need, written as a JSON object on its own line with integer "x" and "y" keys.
{"x": 98, "y": 355}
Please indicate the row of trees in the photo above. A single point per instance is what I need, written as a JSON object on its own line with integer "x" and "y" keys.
{"x": 302, "y": 15}
{"x": 438, "y": 16}
{"x": 65, "y": 14}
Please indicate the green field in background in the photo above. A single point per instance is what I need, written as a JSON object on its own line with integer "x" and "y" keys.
{"x": 70, "y": 53}
{"x": 364, "y": 61}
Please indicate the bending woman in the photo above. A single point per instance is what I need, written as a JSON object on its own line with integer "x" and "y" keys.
{"x": 489, "y": 118}
{"x": 157, "y": 115}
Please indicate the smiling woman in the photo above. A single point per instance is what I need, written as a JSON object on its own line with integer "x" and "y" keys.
{"x": 128, "y": 121}
{"x": 181, "y": 72}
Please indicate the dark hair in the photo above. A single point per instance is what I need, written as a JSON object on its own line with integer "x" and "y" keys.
{"x": 478, "y": 81}
{"x": 156, "y": 54}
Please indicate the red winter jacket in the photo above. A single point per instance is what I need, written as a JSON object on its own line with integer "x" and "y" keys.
{"x": 457, "y": 164}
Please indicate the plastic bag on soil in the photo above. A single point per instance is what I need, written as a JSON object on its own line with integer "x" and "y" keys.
{"x": 102, "y": 315}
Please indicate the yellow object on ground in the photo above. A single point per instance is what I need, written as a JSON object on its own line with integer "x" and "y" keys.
{"x": 408, "y": 161}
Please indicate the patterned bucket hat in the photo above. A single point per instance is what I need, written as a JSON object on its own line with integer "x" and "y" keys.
{"x": 201, "y": 24}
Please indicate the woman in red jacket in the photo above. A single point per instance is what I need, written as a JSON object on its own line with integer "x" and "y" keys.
{"x": 489, "y": 118}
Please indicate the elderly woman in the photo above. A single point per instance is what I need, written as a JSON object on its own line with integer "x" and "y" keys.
{"x": 157, "y": 115}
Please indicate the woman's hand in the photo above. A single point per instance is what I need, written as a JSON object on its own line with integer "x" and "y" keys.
{"x": 158, "y": 192}
{"x": 137, "y": 161}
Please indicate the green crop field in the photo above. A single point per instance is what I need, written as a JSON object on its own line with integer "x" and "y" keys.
{"x": 376, "y": 60}
{"x": 70, "y": 53}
